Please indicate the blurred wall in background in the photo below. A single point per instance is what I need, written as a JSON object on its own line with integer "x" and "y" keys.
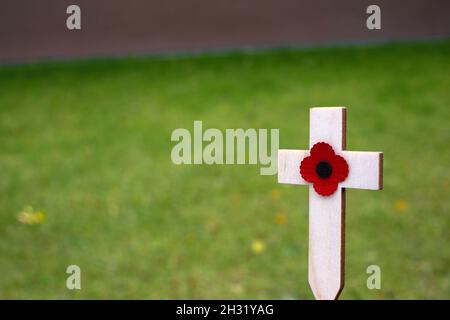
{"x": 34, "y": 30}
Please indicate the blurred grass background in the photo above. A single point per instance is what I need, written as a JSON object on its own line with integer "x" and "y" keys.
{"x": 87, "y": 145}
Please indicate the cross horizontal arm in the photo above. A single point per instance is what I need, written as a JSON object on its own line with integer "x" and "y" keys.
{"x": 289, "y": 166}
{"x": 365, "y": 170}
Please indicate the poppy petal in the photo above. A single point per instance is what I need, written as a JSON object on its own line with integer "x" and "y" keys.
{"x": 322, "y": 150}
{"x": 325, "y": 187}
{"x": 340, "y": 169}
{"x": 308, "y": 169}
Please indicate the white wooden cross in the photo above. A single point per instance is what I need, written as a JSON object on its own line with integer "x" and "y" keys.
{"x": 327, "y": 213}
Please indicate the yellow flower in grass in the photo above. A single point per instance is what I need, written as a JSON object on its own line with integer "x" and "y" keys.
{"x": 275, "y": 194}
{"x": 30, "y": 217}
{"x": 258, "y": 246}
{"x": 237, "y": 288}
{"x": 400, "y": 205}
{"x": 280, "y": 218}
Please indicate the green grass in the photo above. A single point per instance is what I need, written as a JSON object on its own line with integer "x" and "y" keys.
{"x": 89, "y": 143}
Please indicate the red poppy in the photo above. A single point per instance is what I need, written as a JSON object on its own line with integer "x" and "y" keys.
{"x": 324, "y": 169}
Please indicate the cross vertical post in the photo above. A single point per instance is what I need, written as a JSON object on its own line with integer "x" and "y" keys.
{"x": 329, "y": 169}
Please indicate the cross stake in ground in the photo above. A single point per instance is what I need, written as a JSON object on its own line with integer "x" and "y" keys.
{"x": 329, "y": 170}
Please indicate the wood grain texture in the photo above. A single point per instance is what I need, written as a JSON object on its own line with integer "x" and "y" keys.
{"x": 326, "y": 272}
{"x": 328, "y": 125}
{"x": 365, "y": 170}
{"x": 289, "y": 166}
{"x": 326, "y": 267}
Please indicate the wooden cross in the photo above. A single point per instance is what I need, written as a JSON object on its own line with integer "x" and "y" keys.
{"x": 327, "y": 210}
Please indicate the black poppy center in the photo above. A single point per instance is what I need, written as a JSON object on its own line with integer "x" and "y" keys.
{"x": 324, "y": 169}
